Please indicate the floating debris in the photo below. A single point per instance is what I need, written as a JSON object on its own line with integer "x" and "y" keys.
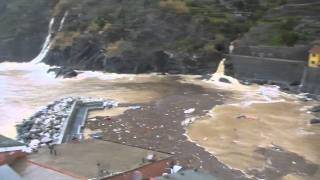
{"x": 134, "y": 107}
{"x": 189, "y": 111}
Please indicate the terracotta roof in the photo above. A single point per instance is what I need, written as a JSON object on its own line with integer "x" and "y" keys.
{"x": 315, "y": 49}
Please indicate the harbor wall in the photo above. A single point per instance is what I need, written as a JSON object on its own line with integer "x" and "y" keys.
{"x": 271, "y": 69}
{"x": 311, "y": 81}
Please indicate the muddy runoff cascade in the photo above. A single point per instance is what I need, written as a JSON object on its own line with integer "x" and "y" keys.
{"x": 256, "y": 120}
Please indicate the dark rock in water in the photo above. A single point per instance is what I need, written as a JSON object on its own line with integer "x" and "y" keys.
{"x": 224, "y": 80}
{"x": 206, "y": 76}
{"x": 285, "y": 88}
{"x": 259, "y": 81}
{"x": 315, "y": 109}
{"x": 315, "y": 121}
{"x": 246, "y": 83}
{"x": 63, "y": 72}
{"x": 295, "y": 83}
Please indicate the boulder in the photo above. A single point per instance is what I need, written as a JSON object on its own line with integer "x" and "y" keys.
{"x": 224, "y": 80}
{"x": 315, "y": 121}
{"x": 63, "y": 72}
{"x": 34, "y": 143}
{"x": 259, "y": 81}
{"x": 315, "y": 109}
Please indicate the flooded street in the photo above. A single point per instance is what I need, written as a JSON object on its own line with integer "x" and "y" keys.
{"x": 259, "y": 130}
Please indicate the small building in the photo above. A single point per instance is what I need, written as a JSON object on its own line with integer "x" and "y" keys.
{"x": 314, "y": 57}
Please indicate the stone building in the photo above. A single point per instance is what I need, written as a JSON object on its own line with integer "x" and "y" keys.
{"x": 314, "y": 57}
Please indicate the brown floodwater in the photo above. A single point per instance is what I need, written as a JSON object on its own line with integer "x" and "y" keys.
{"x": 250, "y": 118}
{"x": 256, "y": 117}
{"x": 27, "y": 87}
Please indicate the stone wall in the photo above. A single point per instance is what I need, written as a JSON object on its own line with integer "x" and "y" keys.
{"x": 68, "y": 123}
{"x": 294, "y": 53}
{"x": 311, "y": 81}
{"x": 257, "y": 68}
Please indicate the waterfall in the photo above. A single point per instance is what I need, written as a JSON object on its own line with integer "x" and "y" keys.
{"x": 46, "y": 45}
{"x": 48, "y": 42}
{"x": 220, "y": 74}
{"x": 62, "y": 20}
{"x": 220, "y": 69}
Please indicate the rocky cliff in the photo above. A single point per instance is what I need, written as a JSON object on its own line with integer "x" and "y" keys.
{"x": 23, "y": 28}
{"x": 129, "y": 36}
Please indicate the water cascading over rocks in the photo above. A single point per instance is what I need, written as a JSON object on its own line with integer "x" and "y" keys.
{"x": 49, "y": 39}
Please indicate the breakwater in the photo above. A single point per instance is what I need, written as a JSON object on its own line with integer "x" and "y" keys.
{"x": 57, "y": 121}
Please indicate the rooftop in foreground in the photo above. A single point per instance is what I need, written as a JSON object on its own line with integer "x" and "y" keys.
{"x": 7, "y": 142}
{"x": 80, "y": 159}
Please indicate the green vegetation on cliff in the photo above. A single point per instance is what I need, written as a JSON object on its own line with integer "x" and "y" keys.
{"x": 187, "y": 36}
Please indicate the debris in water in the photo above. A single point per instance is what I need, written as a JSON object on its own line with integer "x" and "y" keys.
{"x": 189, "y": 111}
{"x": 134, "y": 107}
{"x": 241, "y": 117}
{"x": 175, "y": 169}
{"x": 96, "y": 135}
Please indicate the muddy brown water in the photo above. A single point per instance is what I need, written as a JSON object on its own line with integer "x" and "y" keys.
{"x": 275, "y": 142}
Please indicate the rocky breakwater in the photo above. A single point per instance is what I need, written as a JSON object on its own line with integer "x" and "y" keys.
{"x": 46, "y": 125}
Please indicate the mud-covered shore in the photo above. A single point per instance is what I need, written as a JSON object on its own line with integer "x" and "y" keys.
{"x": 158, "y": 125}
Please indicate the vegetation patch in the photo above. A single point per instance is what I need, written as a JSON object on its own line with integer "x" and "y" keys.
{"x": 178, "y": 6}
{"x": 65, "y": 39}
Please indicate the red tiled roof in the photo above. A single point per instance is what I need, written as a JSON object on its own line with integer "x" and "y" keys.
{"x": 8, "y": 158}
{"x": 315, "y": 49}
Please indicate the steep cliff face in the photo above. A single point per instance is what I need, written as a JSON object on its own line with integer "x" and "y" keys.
{"x": 23, "y": 28}
{"x": 143, "y": 36}
{"x": 126, "y": 36}
{"x": 296, "y": 22}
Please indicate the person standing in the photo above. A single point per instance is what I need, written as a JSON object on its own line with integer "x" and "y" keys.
{"x": 52, "y": 149}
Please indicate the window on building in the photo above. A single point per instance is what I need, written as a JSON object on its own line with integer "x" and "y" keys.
{"x": 313, "y": 62}
{"x": 313, "y": 55}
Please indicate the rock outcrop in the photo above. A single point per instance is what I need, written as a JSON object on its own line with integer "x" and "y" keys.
{"x": 63, "y": 72}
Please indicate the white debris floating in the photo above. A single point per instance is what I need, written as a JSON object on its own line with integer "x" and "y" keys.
{"x": 189, "y": 111}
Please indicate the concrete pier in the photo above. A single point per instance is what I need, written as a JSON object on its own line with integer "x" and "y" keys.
{"x": 77, "y": 119}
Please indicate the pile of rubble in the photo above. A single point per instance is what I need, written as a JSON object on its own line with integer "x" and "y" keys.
{"x": 46, "y": 125}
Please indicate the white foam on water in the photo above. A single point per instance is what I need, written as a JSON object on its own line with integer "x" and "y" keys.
{"x": 100, "y": 75}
